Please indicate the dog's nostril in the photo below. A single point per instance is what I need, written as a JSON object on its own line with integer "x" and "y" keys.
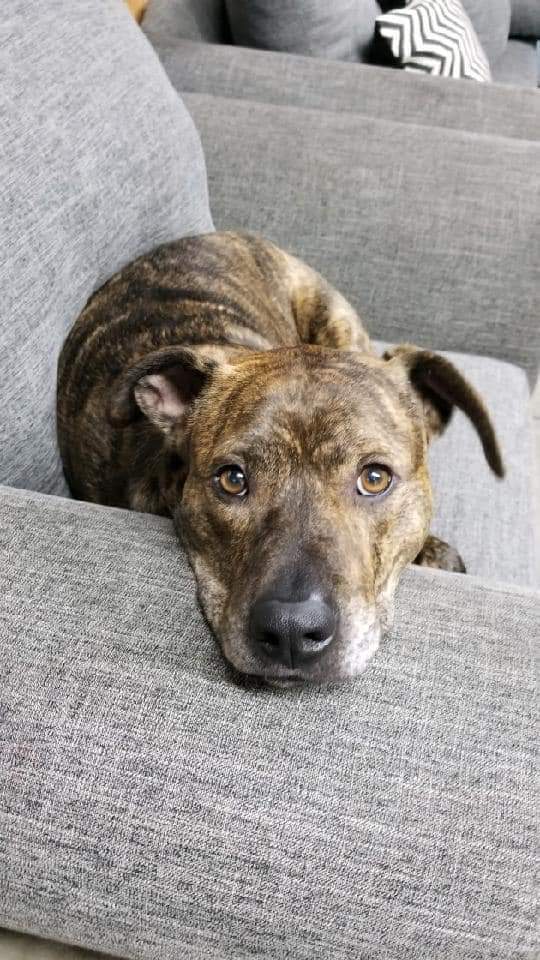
{"x": 270, "y": 639}
{"x": 312, "y": 644}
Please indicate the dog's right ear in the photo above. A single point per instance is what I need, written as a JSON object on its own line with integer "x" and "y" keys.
{"x": 163, "y": 386}
{"x": 441, "y": 386}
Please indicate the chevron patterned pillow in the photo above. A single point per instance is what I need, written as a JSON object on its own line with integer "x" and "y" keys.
{"x": 432, "y": 36}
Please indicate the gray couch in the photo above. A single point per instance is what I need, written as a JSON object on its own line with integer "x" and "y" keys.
{"x": 150, "y": 805}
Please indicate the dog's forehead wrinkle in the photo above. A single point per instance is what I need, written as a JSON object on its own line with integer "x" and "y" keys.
{"x": 304, "y": 420}
{"x": 289, "y": 369}
{"x": 295, "y": 394}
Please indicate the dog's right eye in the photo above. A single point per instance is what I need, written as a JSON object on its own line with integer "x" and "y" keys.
{"x": 232, "y": 481}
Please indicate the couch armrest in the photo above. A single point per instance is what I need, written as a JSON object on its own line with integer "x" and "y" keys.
{"x": 432, "y": 233}
{"x": 151, "y": 806}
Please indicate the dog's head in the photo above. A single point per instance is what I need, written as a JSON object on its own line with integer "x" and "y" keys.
{"x": 298, "y": 479}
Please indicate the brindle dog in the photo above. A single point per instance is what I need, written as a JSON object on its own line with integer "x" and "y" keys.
{"x": 224, "y": 383}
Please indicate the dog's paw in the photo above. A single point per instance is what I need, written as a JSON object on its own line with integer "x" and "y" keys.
{"x": 436, "y": 553}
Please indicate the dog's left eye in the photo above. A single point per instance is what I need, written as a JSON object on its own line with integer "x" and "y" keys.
{"x": 232, "y": 481}
{"x": 374, "y": 480}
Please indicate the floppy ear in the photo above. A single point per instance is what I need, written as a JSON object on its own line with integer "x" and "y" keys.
{"x": 441, "y": 387}
{"x": 162, "y": 386}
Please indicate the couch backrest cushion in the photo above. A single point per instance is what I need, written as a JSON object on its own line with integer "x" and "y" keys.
{"x": 525, "y": 20}
{"x": 491, "y": 20}
{"x": 99, "y": 161}
{"x": 341, "y": 30}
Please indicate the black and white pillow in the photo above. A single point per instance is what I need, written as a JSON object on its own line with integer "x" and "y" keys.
{"x": 432, "y": 36}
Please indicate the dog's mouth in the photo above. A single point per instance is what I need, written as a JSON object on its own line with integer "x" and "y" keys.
{"x": 344, "y": 658}
{"x": 285, "y": 683}
{"x": 348, "y": 664}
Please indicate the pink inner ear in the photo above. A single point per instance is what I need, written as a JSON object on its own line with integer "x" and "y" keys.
{"x": 161, "y": 397}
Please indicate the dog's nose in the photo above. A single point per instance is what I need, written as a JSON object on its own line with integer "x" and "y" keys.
{"x": 292, "y": 633}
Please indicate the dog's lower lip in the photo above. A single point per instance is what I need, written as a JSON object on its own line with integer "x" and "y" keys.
{"x": 286, "y": 681}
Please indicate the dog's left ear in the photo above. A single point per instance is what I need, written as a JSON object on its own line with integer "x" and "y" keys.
{"x": 164, "y": 385}
{"x": 440, "y": 387}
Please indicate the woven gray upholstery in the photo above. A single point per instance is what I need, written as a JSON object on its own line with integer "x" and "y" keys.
{"x": 99, "y": 161}
{"x": 429, "y": 236}
{"x": 293, "y": 81}
{"x": 152, "y": 808}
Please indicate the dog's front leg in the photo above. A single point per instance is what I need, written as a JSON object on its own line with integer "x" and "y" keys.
{"x": 437, "y": 553}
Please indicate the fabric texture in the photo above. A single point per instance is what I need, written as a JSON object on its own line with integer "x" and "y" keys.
{"x": 488, "y": 520}
{"x": 99, "y": 162}
{"x": 341, "y": 30}
{"x": 525, "y": 20}
{"x": 434, "y": 37}
{"x": 519, "y": 65}
{"x": 458, "y": 270}
{"x": 288, "y": 80}
{"x": 491, "y": 21}
{"x": 154, "y": 808}
{"x": 187, "y": 19}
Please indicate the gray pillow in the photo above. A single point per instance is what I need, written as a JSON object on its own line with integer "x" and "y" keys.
{"x": 491, "y": 20}
{"x": 337, "y": 30}
{"x": 99, "y": 162}
{"x": 525, "y": 20}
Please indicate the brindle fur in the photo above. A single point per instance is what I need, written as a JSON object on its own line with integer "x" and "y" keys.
{"x": 275, "y": 372}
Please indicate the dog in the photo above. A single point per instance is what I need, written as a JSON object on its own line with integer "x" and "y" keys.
{"x": 222, "y": 382}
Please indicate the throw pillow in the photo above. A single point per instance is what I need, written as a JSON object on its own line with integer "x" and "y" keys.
{"x": 432, "y": 36}
{"x": 490, "y": 19}
{"x": 336, "y": 30}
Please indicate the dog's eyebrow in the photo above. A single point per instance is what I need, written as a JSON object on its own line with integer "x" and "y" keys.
{"x": 359, "y": 448}
{"x": 375, "y": 449}
{"x": 324, "y": 455}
